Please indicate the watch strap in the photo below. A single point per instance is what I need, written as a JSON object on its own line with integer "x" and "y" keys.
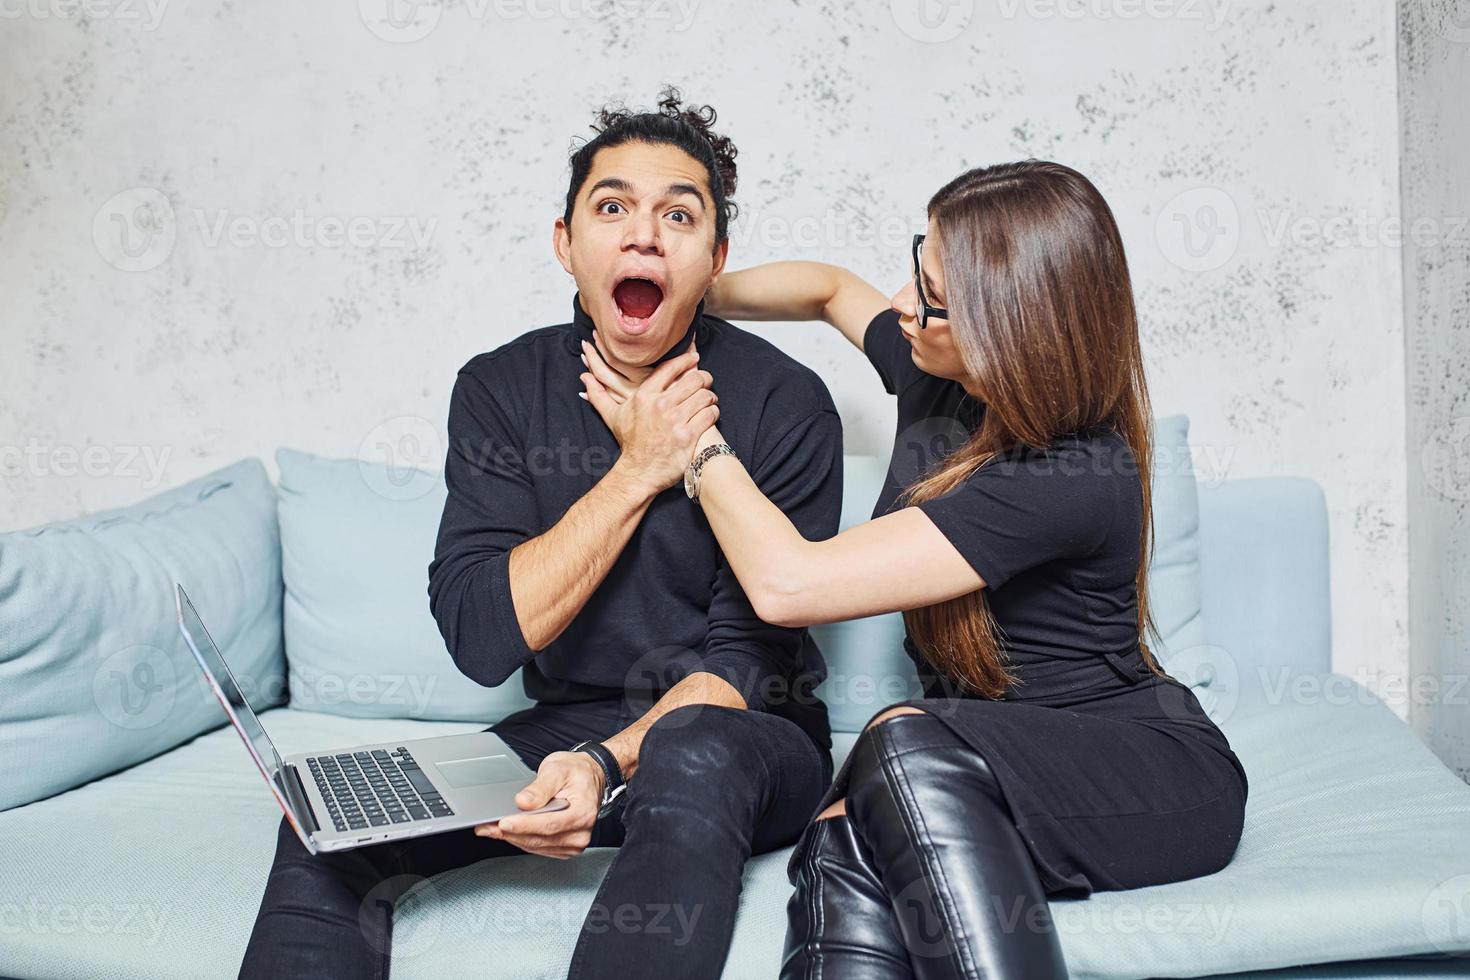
{"x": 705, "y": 455}
{"x": 613, "y": 784}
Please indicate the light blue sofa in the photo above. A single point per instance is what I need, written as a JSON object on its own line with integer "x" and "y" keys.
{"x": 129, "y": 856}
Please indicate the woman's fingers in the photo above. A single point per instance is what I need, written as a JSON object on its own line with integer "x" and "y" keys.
{"x": 697, "y": 402}
{"x": 599, "y": 397}
{"x": 703, "y": 419}
{"x": 610, "y": 379}
{"x": 688, "y": 383}
{"x": 596, "y": 348}
{"x": 670, "y": 371}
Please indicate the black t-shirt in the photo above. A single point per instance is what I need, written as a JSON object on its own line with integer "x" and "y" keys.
{"x": 1054, "y": 533}
{"x": 523, "y": 448}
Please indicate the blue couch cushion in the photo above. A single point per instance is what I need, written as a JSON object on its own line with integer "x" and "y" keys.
{"x": 357, "y": 538}
{"x": 94, "y": 673}
{"x": 867, "y": 669}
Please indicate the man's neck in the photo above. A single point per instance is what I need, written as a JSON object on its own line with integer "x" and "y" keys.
{"x": 633, "y": 372}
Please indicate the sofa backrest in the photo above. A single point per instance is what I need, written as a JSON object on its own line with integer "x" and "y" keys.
{"x": 94, "y": 674}
{"x": 1265, "y": 570}
{"x": 85, "y": 611}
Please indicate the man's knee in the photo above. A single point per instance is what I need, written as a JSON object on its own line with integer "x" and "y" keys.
{"x": 696, "y": 740}
{"x": 699, "y": 754}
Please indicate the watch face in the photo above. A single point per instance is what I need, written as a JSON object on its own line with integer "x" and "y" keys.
{"x": 689, "y": 482}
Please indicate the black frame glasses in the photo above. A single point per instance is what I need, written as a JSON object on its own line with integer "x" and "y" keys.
{"x": 924, "y": 310}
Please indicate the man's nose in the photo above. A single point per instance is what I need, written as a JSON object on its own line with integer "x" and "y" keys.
{"x": 641, "y": 233}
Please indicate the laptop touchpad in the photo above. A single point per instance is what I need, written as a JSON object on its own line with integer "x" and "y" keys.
{"x": 464, "y": 773}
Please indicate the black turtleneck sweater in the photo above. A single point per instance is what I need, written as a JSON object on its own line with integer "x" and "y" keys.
{"x": 523, "y": 447}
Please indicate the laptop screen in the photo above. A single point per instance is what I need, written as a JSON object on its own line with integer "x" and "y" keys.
{"x": 225, "y": 688}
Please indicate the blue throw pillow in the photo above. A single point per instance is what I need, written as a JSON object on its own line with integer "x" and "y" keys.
{"x": 357, "y": 538}
{"x": 94, "y": 673}
{"x": 867, "y": 669}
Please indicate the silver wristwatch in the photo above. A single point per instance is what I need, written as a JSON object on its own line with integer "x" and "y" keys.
{"x": 691, "y": 472}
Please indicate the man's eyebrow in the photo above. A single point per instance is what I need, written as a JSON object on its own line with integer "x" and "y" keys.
{"x": 673, "y": 190}
{"x": 611, "y": 183}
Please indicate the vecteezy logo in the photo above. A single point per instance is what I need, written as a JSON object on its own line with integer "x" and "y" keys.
{"x": 920, "y": 446}
{"x": 1445, "y": 459}
{"x": 1199, "y": 230}
{"x": 134, "y": 688}
{"x": 1450, "y": 17}
{"x": 1211, "y": 673}
{"x": 932, "y": 21}
{"x": 651, "y": 676}
{"x": 412, "y": 904}
{"x": 1446, "y": 915}
{"x": 135, "y": 230}
{"x": 400, "y": 21}
{"x": 400, "y": 458}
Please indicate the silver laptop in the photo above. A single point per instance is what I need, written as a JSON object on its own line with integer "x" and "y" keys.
{"x": 367, "y": 794}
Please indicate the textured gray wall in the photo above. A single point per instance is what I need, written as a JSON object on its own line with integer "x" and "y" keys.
{"x": 1434, "y": 99}
{"x": 178, "y": 179}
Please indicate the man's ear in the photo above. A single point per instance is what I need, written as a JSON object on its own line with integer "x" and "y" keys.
{"x": 561, "y": 244}
{"x": 722, "y": 252}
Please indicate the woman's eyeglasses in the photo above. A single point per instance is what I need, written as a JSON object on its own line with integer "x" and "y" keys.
{"x": 925, "y": 311}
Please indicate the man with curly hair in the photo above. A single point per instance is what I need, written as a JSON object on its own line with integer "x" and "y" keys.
{"x": 678, "y": 726}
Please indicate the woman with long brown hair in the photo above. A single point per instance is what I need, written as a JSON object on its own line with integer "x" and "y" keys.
{"x": 1051, "y": 755}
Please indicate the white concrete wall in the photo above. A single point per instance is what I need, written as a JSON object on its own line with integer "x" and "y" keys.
{"x": 1434, "y": 85}
{"x": 1227, "y": 134}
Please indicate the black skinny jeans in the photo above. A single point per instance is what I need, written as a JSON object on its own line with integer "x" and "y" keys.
{"x": 714, "y": 785}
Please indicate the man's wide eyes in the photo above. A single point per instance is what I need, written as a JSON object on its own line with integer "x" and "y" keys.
{"x": 613, "y": 207}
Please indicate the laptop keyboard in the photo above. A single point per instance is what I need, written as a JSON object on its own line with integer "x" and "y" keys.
{"x": 375, "y": 789}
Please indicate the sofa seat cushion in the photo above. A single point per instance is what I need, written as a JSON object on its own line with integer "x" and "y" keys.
{"x": 1354, "y": 848}
{"x": 157, "y": 871}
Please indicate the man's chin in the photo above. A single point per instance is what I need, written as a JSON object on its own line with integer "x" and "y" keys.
{"x": 640, "y": 340}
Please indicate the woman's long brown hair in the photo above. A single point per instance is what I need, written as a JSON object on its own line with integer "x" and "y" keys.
{"x": 1042, "y": 315}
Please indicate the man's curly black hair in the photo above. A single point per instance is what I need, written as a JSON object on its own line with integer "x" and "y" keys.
{"x": 674, "y": 123}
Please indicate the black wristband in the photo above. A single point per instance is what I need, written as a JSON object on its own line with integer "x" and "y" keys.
{"x": 611, "y": 771}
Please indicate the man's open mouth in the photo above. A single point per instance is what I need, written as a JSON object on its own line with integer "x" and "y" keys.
{"x": 638, "y": 300}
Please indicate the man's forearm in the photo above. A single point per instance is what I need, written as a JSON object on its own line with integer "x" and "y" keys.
{"x": 554, "y": 574}
{"x": 697, "y": 688}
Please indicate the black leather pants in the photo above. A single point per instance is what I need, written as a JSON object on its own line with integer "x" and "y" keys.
{"x": 943, "y": 852}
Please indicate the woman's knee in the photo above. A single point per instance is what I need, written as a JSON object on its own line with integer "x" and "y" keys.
{"x": 888, "y": 714}
{"x": 838, "y": 809}
{"x": 904, "y": 731}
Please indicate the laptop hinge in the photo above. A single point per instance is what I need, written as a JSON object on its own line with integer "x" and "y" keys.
{"x": 296, "y": 793}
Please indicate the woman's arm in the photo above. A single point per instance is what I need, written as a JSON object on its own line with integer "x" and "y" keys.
{"x": 898, "y": 561}
{"x": 798, "y": 291}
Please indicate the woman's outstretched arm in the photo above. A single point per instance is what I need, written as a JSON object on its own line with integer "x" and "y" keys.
{"x": 895, "y": 562}
{"x": 798, "y": 291}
